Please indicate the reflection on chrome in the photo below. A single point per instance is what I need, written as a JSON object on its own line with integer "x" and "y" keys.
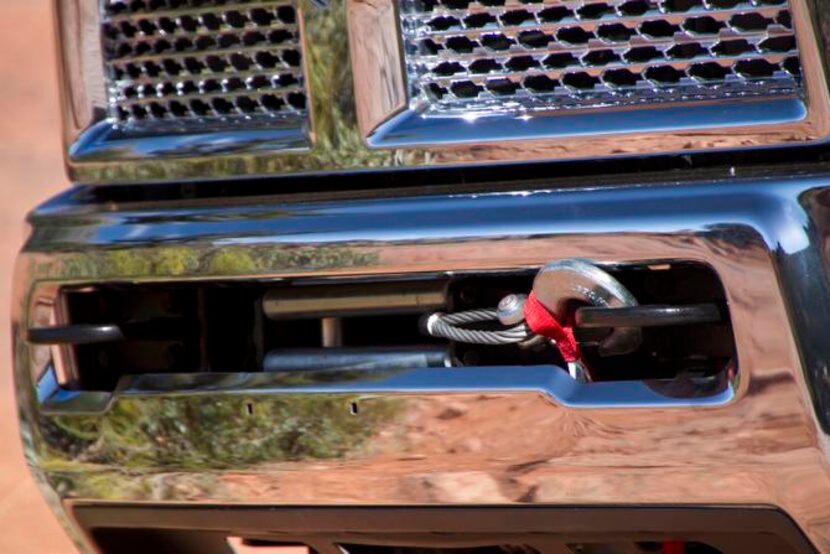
{"x": 524, "y": 58}
{"x": 462, "y": 435}
{"x": 363, "y": 114}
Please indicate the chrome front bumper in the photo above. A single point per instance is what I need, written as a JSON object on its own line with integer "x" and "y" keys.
{"x": 468, "y": 436}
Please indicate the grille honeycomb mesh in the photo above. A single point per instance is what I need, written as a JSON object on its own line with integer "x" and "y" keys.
{"x": 521, "y": 55}
{"x": 203, "y": 62}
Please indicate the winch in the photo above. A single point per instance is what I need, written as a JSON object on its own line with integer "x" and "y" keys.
{"x": 660, "y": 321}
{"x": 566, "y": 295}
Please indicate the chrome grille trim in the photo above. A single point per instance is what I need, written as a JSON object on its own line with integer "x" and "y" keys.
{"x": 361, "y": 113}
{"x": 178, "y": 63}
{"x": 506, "y": 55}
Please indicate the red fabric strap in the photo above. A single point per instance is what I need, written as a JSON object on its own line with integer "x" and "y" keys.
{"x": 542, "y": 322}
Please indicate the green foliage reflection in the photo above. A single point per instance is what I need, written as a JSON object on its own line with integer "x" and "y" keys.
{"x": 205, "y": 433}
{"x": 199, "y": 261}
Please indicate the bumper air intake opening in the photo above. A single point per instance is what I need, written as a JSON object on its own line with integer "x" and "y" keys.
{"x": 187, "y": 529}
{"x": 116, "y": 331}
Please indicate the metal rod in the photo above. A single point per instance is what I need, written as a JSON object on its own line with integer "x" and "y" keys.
{"x": 654, "y": 315}
{"x": 321, "y": 301}
{"x": 331, "y": 329}
{"x": 76, "y": 334}
{"x": 332, "y": 359}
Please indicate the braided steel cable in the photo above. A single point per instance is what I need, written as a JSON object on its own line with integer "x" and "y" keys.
{"x": 449, "y": 326}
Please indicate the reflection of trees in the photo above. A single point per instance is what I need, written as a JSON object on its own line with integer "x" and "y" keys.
{"x": 214, "y": 433}
{"x": 337, "y": 142}
{"x": 178, "y": 261}
{"x": 733, "y": 237}
{"x": 173, "y": 447}
{"x": 78, "y": 453}
{"x": 115, "y": 485}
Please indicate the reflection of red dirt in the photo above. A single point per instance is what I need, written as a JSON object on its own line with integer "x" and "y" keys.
{"x": 463, "y": 442}
{"x": 31, "y": 169}
{"x": 466, "y": 449}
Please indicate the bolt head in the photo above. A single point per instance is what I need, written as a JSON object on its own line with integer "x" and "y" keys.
{"x": 511, "y": 309}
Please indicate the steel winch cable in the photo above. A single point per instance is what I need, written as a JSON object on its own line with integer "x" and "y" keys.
{"x": 528, "y": 320}
{"x": 453, "y": 326}
{"x": 450, "y": 326}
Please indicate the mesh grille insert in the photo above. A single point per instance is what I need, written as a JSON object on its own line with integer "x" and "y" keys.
{"x": 204, "y": 63}
{"x": 496, "y": 56}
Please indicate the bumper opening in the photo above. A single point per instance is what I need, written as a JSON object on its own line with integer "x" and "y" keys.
{"x": 448, "y": 530}
{"x": 306, "y": 327}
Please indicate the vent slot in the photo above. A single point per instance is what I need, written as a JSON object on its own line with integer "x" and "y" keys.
{"x": 371, "y": 325}
{"x": 222, "y": 327}
{"x": 180, "y": 64}
{"x": 444, "y": 529}
{"x": 596, "y": 53}
{"x": 129, "y": 541}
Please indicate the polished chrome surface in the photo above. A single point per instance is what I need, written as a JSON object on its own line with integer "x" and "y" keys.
{"x": 362, "y": 116}
{"x": 581, "y": 132}
{"x": 478, "y": 435}
{"x": 497, "y": 57}
{"x": 83, "y": 90}
{"x": 181, "y": 79}
{"x": 177, "y": 67}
